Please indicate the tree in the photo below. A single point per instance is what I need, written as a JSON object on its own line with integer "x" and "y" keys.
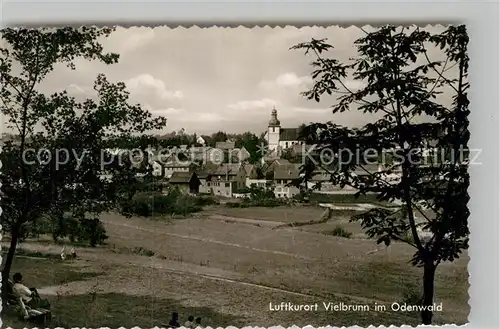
{"x": 56, "y": 166}
{"x": 219, "y": 136}
{"x": 401, "y": 85}
{"x": 252, "y": 144}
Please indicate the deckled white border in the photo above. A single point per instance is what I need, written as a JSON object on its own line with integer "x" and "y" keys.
{"x": 480, "y": 17}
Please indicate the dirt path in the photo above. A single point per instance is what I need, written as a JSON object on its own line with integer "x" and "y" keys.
{"x": 256, "y": 222}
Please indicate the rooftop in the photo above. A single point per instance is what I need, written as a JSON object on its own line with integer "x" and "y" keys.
{"x": 181, "y": 177}
{"x": 286, "y": 173}
{"x": 224, "y": 145}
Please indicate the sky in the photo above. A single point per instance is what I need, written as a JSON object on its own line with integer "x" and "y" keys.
{"x": 210, "y": 79}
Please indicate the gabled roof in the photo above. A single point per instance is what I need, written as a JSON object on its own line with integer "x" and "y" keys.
{"x": 274, "y": 164}
{"x": 224, "y": 145}
{"x": 289, "y": 134}
{"x": 286, "y": 173}
{"x": 222, "y": 169}
{"x": 202, "y": 175}
{"x": 181, "y": 177}
{"x": 248, "y": 168}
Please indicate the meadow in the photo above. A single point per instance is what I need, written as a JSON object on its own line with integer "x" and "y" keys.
{"x": 227, "y": 265}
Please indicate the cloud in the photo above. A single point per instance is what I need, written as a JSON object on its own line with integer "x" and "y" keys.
{"x": 253, "y": 104}
{"x": 209, "y": 117}
{"x": 124, "y": 41}
{"x": 286, "y": 80}
{"x": 233, "y": 88}
{"x": 167, "y": 111}
{"x": 310, "y": 110}
{"x": 145, "y": 85}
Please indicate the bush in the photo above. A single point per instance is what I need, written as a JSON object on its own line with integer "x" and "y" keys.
{"x": 206, "y": 200}
{"x": 185, "y": 205}
{"x": 236, "y": 205}
{"x": 172, "y": 203}
{"x": 79, "y": 229}
{"x": 340, "y": 231}
{"x": 143, "y": 252}
{"x": 247, "y": 203}
{"x": 243, "y": 190}
{"x": 412, "y": 296}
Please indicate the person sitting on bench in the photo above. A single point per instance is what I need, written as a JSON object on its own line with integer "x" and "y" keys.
{"x": 29, "y": 296}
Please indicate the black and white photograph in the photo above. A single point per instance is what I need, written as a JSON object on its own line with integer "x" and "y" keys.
{"x": 214, "y": 177}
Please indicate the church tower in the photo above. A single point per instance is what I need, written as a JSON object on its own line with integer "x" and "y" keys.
{"x": 273, "y": 132}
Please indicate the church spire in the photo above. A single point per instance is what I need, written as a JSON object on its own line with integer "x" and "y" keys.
{"x": 274, "y": 118}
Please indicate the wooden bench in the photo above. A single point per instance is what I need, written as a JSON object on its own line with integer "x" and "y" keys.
{"x": 39, "y": 316}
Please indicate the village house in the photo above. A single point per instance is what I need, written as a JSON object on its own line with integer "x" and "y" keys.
{"x": 224, "y": 179}
{"x": 284, "y": 177}
{"x": 269, "y": 166}
{"x": 258, "y": 182}
{"x": 202, "y": 176}
{"x": 202, "y": 154}
{"x": 173, "y": 166}
{"x": 320, "y": 181}
{"x": 158, "y": 170}
{"x": 186, "y": 182}
{"x": 239, "y": 154}
{"x": 200, "y": 140}
{"x": 252, "y": 178}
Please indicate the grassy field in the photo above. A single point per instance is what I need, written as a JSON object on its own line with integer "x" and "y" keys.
{"x": 195, "y": 265}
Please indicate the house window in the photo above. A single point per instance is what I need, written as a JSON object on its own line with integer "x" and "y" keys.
{"x": 286, "y": 144}
{"x": 273, "y": 129}
{"x": 227, "y": 184}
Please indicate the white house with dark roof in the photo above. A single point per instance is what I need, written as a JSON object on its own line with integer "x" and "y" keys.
{"x": 223, "y": 179}
{"x": 284, "y": 178}
{"x": 200, "y": 140}
{"x": 279, "y": 138}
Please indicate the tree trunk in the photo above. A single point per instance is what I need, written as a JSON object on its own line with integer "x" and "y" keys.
{"x": 8, "y": 260}
{"x": 428, "y": 297}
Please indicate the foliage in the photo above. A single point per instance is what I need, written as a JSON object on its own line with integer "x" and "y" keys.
{"x": 35, "y": 184}
{"x": 291, "y": 156}
{"x": 77, "y": 227}
{"x": 412, "y": 296}
{"x": 171, "y": 203}
{"x": 340, "y": 231}
{"x": 258, "y": 197}
{"x": 252, "y": 143}
{"x": 344, "y": 198}
{"x": 393, "y": 67}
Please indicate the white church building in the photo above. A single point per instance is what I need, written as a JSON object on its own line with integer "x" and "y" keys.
{"x": 279, "y": 138}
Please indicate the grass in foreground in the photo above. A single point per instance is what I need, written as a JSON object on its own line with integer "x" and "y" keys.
{"x": 117, "y": 309}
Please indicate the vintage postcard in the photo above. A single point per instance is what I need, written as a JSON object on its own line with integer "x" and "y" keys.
{"x": 214, "y": 177}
